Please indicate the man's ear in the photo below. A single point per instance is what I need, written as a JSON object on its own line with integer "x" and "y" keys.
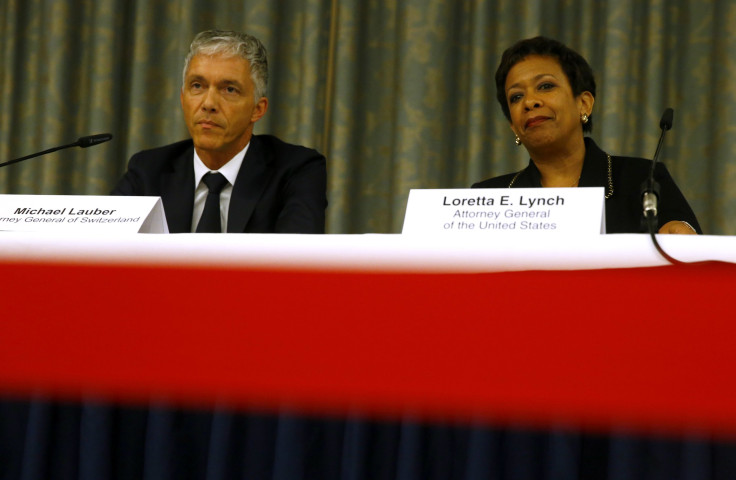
{"x": 259, "y": 109}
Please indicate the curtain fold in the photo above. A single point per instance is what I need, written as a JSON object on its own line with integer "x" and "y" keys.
{"x": 397, "y": 95}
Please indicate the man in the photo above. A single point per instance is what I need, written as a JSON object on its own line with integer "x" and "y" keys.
{"x": 267, "y": 186}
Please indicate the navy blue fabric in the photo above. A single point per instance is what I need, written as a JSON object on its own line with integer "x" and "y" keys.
{"x": 43, "y": 440}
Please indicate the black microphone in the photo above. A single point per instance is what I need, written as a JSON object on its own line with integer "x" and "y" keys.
{"x": 650, "y": 188}
{"x": 83, "y": 142}
{"x": 90, "y": 140}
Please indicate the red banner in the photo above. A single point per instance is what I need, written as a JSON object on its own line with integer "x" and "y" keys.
{"x": 648, "y": 348}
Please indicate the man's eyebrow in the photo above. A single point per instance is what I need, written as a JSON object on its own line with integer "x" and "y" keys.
{"x": 192, "y": 77}
{"x": 230, "y": 82}
{"x": 224, "y": 82}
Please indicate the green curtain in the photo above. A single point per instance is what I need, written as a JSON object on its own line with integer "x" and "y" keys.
{"x": 398, "y": 94}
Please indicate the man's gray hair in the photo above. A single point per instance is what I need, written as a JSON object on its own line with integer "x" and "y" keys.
{"x": 236, "y": 44}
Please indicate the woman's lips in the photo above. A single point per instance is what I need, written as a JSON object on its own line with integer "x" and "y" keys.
{"x": 533, "y": 122}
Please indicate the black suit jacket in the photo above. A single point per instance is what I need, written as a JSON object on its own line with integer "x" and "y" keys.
{"x": 280, "y": 188}
{"x": 624, "y": 205}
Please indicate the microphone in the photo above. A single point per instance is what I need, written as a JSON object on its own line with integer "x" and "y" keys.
{"x": 90, "y": 140}
{"x": 83, "y": 142}
{"x": 650, "y": 188}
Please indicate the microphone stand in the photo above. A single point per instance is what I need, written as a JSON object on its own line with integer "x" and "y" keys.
{"x": 650, "y": 190}
{"x": 83, "y": 142}
{"x": 652, "y": 225}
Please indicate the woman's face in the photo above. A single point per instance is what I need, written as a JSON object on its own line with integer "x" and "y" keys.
{"x": 544, "y": 111}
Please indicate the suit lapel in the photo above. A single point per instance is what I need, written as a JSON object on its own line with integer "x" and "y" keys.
{"x": 177, "y": 193}
{"x": 529, "y": 177}
{"x": 249, "y": 184}
{"x": 595, "y": 167}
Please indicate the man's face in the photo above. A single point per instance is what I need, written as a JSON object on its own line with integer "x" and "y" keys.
{"x": 219, "y": 107}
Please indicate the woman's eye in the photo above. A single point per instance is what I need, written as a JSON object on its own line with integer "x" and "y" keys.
{"x": 546, "y": 86}
{"x": 515, "y": 98}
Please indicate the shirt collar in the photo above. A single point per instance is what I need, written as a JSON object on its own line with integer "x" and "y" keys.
{"x": 229, "y": 170}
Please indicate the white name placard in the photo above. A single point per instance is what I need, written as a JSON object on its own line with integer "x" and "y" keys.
{"x": 493, "y": 211}
{"x": 42, "y": 213}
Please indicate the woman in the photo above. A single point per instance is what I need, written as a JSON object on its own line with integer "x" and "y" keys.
{"x": 547, "y": 92}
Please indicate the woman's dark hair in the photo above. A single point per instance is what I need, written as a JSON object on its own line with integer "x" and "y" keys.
{"x": 578, "y": 72}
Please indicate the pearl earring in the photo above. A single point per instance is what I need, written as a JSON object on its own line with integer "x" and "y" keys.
{"x": 584, "y": 118}
{"x": 517, "y": 141}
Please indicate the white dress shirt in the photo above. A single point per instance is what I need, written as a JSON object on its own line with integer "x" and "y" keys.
{"x": 230, "y": 172}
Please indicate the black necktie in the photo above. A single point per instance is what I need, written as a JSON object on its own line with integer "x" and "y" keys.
{"x": 209, "y": 222}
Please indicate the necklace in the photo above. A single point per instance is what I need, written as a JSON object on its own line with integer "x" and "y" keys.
{"x": 610, "y": 178}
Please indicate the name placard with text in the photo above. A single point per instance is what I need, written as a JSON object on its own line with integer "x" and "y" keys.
{"x": 492, "y": 211}
{"x": 30, "y": 213}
